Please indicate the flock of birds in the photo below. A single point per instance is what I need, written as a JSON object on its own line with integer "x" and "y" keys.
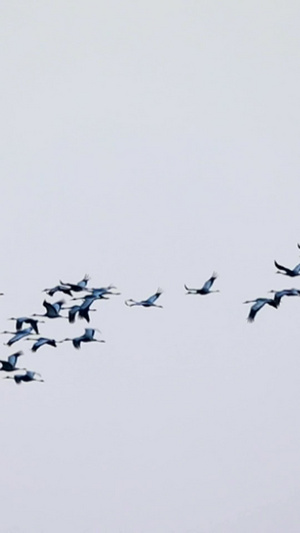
{"x": 27, "y": 327}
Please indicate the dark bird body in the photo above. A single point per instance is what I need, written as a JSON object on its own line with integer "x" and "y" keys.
{"x": 10, "y": 364}
{"x": 77, "y": 287}
{"x": 18, "y": 336}
{"x": 88, "y": 336}
{"x": 285, "y": 292}
{"x": 52, "y": 310}
{"x": 287, "y": 271}
{"x": 206, "y": 287}
{"x": 150, "y": 302}
{"x": 42, "y": 341}
{"x": 29, "y": 376}
{"x": 259, "y": 303}
{"x": 26, "y": 320}
{"x": 59, "y": 288}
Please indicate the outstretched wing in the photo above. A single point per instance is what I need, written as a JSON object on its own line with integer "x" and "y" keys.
{"x": 153, "y": 298}
{"x": 207, "y": 285}
{"x": 281, "y": 267}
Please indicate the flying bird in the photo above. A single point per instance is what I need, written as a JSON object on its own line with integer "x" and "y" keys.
{"x": 206, "y": 287}
{"x": 77, "y": 287}
{"x": 59, "y": 288}
{"x": 29, "y": 376}
{"x": 10, "y": 364}
{"x": 285, "y": 292}
{"x": 150, "y": 302}
{"x": 88, "y": 336}
{"x": 287, "y": 271}
{"x": 18, "y": 336}
{"x": 52, "y": 310}
{"x": 41, "y": 341}
{"x": 258, "y": 304}
{"x": 26, "y": 320}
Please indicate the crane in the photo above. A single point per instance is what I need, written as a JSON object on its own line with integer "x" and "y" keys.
{"x": 29, "y": 376}
{"x": 41, "y": 341}
{"x": 285, "y": 292}
{"x": 27, "y": 320}
{"x": 77, "y": 287}
{"x": 88, "y": 336}
{"x": 258, "y": 304}
{"x": 18, "y": 335}
{"x": 287, "y": 271}
{"x": 59, "y": 288}
{"x": 150, "y": 302}
{"x": 206, "y": 287}
{"x": 52, "y": 310}
{"x": 10, "y": 364}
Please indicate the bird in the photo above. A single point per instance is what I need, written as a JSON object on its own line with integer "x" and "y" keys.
{"x": 82, "y": 310}
{"x": 259, "y": 304}
{"x": 27, "y": 320}
{"x": 41, "y": 341}
{"x": 287, "y": 271}
{"x": 77, "y": 287}
{"x": 150, "y": 302}
{"x": 10, "y": 364}
{"x": 29, "y": 376}
{"x": 206, "y": 287}
{"x": 285, "y": 292}
{"x": 88, "y": 336}
{"x": 59, "y": 288}
{"x": 52, "y": 310}
{"x": 18, "y": 335}
{"x": 102, "y": 291}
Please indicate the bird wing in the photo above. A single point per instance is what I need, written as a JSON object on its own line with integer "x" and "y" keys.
{"x": 48, "y": 306}
{"x": 154, "y": 297}
{"x": 207, "y": 285}
{"x": 12, "y": 359}
{"x": 281, "y": 267}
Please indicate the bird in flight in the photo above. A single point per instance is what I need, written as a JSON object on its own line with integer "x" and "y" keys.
{"x": 258, "y": 304}
{"x": 41, "y": 341}
{"x": 26, "y": 320}
{"x": 206, "y": 289}
{"x": 77, "y": 287}
{"x": 88, "y": 336}
{"x": 29, "y": 376}
{"x": 150, "y": 302}
{"x": 52, "y": 310}
{"x": 10, "y": 364}
{"x": 288, "y": 271}
{"x": 285, "y": 292}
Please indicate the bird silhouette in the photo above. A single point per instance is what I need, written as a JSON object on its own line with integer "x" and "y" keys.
{"x": 52, "y": 310}
{"x": 10, "y": 364}
{"x": 88, "y": 336}
{"x": 77, "y": 287}
{"x": 258, "y": 304}
{"x": 41, "y": 341}
{"x": 18, "y": 335}
{"x": 29, "y": 376}
{"x": 150, "y": 302}
{"x": 287, "y": 271}
{"x": 27, "y": 320}
{"x": 206, "y": 287}
{"x": 285, "y": 292}
{"x": 59, "y": 288}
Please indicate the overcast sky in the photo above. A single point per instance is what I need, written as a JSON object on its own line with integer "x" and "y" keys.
{"x": 149, "y": 144}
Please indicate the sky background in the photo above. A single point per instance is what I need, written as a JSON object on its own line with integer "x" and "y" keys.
{"x": 149, "y": 144}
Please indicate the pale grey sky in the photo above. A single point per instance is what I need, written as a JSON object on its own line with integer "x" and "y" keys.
{"x": 149, "y": 144}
